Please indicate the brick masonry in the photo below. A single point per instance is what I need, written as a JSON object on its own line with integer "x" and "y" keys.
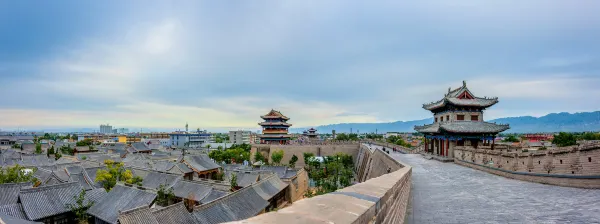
{"x": 576, "y": 166}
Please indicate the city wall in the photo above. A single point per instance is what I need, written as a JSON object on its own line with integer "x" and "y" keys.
{"x": 575, "y": 166}
{"x": 381, "y": 198}
{"x": 350, "y": 148}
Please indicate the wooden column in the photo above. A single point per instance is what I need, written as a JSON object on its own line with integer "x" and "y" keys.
{"x": 493, "y": 142}
{"x": 447, "y": 147}
{"x": 425, "y": 143}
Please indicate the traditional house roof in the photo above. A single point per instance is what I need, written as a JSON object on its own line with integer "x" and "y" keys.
{"x": 200, "y": 163}
{"x": 9, "y": 193}
{"x": 238, "y": 205}
{"x": 140, "y": 147}
{"x": 463, "y": 127}
{"x": 282, "y": 172}
{"x": 120, "y": 198}
{"x": 186, "y": 189}
{"x": 14, "y": 210}
{"x": 4, "y": 218}
{"x": 140, "y": 215}
{"x": 213, "y": 195}
{"x": 42, "y": 202}
{"x": 274, "y": 114}
{"x": 79, "y": 175}
{"x": 461, "y": 97}
{"x": 244, "y": 179}
{"x": 269, "y": 187}
{"x": 153, "y": 180}
{"x": 174, "y": 214}
{"x": 274, "y": 124}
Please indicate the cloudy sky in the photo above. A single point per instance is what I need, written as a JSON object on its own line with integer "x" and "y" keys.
{"x": 222, "y": 64}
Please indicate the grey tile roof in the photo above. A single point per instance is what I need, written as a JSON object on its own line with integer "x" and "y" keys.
{"x": 9, "y": 193}
{"x": 42, "y": 202}
{"x": 463, "y": 127}
{"x": 213, "y": 195}
{"x": 91, "y": 172}
{"x": 244, "y": 179}
{"x": 174, "y": 214}
{"x": 269, "y": 187}
{"x": 120, "y": 198}
{"x": 154, "y": 179}
{"x": 140, "y": 215}
{"x": 452, "y": 98}
{"x": 239, "y": 205}
{"x": 140, "y": 147}
{"x": 279, "y": 170}
{"x": 14, "y": 210}
{"x": 200, "y": 163}
{"x": 185, "y": 189}
{"x": 4, "y": 218}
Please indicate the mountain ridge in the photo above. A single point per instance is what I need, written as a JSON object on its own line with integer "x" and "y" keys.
{"x": 553, "y": 122}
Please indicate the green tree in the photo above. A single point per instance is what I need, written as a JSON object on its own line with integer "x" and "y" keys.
{"x": 50, "y": 151}
{"x": 38, "y": 148}
{"x": 80, "y": 207}
{"x": 164, "y": 196}
{"x": 564, "y": 139}
{"x": 114, "y": 171}
{"x": 511, "y": 138}
{"x": 74, "y": 137}
{"x": 293, "y": 161}
{"x": 307, "y": 156}
{"x": 208, "y": 146}
{"x": 276, "y": 156}
{"x": 57, "y": 155}
{"x": 233, "y": 181}
{"x": 259, "y": 157}
{"x": 85, "y": 142}
{"x": 220, "y": 147}
{"x": 16, "y": 174}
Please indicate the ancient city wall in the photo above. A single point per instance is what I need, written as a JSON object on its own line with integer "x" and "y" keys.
{"x": 382, "y": 198}
{"x": 350, "y": 148}
{"x": 575, "y": 166}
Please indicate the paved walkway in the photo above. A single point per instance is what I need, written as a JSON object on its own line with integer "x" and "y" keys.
{"x": 449, "y": 193}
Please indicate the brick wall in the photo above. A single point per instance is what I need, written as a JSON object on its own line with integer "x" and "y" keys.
{"x": 298, "y": 150}
{"x": 575, "y": 166}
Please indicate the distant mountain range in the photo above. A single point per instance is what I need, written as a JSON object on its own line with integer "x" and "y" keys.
{"x": 555, "y": 122}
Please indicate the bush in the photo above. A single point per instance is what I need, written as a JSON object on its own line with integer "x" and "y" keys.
{"x": 564, "y": 139}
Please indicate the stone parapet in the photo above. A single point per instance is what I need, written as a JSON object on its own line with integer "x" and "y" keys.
{"x": 574, "y": 166}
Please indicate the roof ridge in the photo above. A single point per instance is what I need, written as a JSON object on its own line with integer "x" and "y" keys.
{"x": 221, "y": 199}
{"x": 50, "y": 187}
{"x": 132, "y": 210}
{"x": 168, "y": 207}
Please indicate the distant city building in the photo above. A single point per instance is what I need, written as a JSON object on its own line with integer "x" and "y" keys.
{"x": 191, "y": 139}
{"x": 254, "y": 138}
{"x": 274, "y": 128}
{"x": 390, "y": 134}
{"x": 458, "y": 121}
{"x": 122, "y": 130}
{"x": 106, "y": 129}
{"x": 239, "y": 137}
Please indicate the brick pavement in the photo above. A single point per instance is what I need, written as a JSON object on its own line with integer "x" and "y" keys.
{"x": 449, "y": 193}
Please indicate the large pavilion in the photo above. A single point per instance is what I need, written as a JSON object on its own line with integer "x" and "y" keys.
{"x": 458, "y": 121}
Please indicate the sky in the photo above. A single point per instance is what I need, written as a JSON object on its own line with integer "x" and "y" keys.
{"x": 222, "y": 64}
